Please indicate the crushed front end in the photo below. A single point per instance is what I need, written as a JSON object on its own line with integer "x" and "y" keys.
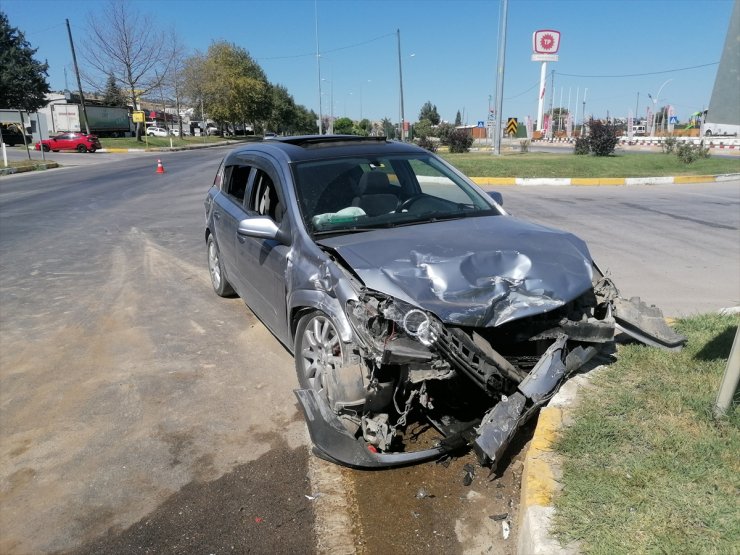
{"x": 476, "y": 386}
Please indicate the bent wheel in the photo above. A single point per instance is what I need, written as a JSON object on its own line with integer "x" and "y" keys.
{"x": 81, "y": 148}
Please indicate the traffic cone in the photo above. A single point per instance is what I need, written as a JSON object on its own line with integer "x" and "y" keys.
{"x": 160, "y": 167}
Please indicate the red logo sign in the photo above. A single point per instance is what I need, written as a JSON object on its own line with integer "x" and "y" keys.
{"x": 546, "y": 41}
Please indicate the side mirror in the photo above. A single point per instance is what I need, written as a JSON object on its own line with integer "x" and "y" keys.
{"x": 260, "y": 227}
{"x": 498, "y": 197}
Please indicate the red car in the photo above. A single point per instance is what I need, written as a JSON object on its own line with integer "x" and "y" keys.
{"x": 70, "y": 141}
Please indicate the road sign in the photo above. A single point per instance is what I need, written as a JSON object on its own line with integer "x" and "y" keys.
{"x": 138, "y": 117}
{"x": 481, "y": 123}
{"x": 674, "y": 119}
{"x": 511, "y": 126}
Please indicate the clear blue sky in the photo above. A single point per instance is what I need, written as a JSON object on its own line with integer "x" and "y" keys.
{"x": 448, "y": 49}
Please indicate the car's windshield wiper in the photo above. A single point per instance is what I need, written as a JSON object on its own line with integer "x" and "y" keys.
{"x": 341, "y": 231}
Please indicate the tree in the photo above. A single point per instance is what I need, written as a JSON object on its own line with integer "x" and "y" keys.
{"x": 363, "y": 127}
{"x": 282, "y": 110}
{"x": 344, "y": 126}
{"x": 388, "y": 128}
{"x": 230, "y": 83}
{"x": 113, "y": 96}
{"x": 429, "y": 112}
{"x": 458, "y": 119}
{"x": 23, "y": 82}
{"x": 423, "y": 128}
{"x": 558, "y": 117}
{"x": 121, "y": 42}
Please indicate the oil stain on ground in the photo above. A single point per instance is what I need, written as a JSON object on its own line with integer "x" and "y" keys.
{"x": 252, "y": 509}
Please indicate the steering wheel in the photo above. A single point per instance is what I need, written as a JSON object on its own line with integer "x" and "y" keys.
{"x": 406, "y": 204}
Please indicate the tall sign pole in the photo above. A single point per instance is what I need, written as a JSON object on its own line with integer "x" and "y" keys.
{"x": 545, "y": 45}
{"x": 497, "y": 123}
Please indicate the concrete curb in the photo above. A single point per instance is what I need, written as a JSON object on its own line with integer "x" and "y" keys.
{"x": 603, "y": 181}
{"x": 23, "y": 169}
{"x": 166, "y": 148}
{"x": 542, "y": 473}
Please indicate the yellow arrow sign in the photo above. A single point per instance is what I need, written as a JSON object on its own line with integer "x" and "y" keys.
{"x": 511, "y": 126}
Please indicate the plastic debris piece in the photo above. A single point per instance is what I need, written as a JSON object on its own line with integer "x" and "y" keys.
{"x": 258, "y": 519}
{"x": 422, "y": 493}
{"x": 497, "y": 518}
{"x": 310, "y": 497}
{"x": 505, "y": 529}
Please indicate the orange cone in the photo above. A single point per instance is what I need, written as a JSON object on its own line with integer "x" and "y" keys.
{"x": 160, "y": 167}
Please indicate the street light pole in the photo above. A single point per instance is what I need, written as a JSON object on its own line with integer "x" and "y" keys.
{"x": 318, "y": 67}
{"x": 655, "y": 104}
{"x": 400, "y": 81}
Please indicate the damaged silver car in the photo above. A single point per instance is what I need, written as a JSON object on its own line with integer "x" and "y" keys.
{"x": 423, "y": 318}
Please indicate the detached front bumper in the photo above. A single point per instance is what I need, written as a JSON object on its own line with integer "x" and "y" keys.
{"x": 334, "y": 443}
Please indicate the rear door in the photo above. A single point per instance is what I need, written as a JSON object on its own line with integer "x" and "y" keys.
{"x": 228, "y": 211}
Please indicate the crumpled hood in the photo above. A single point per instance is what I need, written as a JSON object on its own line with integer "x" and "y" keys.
{"x": 477, "y": 272}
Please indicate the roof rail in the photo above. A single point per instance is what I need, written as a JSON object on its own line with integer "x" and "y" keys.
{"x": 309, "y": 141}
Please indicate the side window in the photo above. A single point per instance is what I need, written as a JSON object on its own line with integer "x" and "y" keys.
{"x": 235, "y": 182}
{"x": 433, "y": 182}
{"x": 264, "y": 199}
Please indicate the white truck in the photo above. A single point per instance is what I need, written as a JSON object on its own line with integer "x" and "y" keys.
{"x": 104, "y": 121}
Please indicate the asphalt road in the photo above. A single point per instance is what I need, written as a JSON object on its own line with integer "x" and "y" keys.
{"x": 141, "y": 413}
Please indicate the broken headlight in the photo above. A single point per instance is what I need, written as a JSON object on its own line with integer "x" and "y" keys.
{"x": 388, "y": 324}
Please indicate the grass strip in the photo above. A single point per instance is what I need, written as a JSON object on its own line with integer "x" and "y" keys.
{"x": 161, "y": 142}
{"x": 537, "y": 164}
{"x": 647, "y": 469}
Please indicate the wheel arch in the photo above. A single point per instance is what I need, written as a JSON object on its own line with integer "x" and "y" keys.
{"x": 305, "y": 301}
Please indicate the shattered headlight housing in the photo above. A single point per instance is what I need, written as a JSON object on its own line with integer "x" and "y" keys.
{"x": 383, "y": 322}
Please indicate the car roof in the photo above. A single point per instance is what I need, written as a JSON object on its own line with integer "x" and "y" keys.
{"x": 321, "y": 147}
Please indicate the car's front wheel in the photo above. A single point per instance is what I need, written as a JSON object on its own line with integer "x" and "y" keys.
{"x": 81, "y": 148}
{"x": 216, "y": 269}
{"x": 46, "y": 148}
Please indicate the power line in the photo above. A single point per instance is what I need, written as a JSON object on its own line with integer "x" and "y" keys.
{"x": 312, "y": 54}
{"x": 638, "y": 74}
{"x": 524, "y": 92}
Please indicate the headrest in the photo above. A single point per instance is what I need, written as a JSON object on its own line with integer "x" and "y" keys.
{"x": 374, "y": 183}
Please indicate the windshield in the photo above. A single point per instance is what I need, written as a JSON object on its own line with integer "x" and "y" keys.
{"x": 360, "y": 193}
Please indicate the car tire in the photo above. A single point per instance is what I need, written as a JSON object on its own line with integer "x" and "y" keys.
{"x": 318, "y": 353}
{"x": 55, "y": 151}
{"x": 219, "y": 282}
{"x": 81, "y": 148}
{"x": 46, "y": 148}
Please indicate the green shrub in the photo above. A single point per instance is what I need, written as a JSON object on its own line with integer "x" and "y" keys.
{"x": 669, "y": 144}
{"x": 582, "y": 146}
{"x": 460, "y": 141}
{"x": 602, "y": 138}
{"x": 443, "y": 131}
{"x": 689, "y": 152}
{"x": 427, "y": 144}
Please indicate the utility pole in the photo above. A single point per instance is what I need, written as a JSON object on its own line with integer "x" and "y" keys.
{"x": 500, "y": 77}
{"x": 400, "y": 81}
{"x": 77, "y": 72}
